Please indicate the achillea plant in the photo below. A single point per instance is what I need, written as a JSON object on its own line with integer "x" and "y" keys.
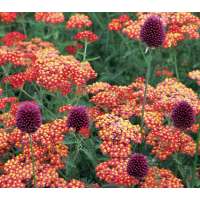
{"x": 76, "y": 110}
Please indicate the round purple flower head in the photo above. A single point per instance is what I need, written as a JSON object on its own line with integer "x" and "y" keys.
{"x": 152, "y": 32}
{"x": 137, "y": 166}
{"x": 183, "y": 115}
{"x": 28, "y": 117}
{"x": 78, "y": 118}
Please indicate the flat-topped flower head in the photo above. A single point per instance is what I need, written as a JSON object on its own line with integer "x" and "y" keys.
{"x": 137, "y": 166}
{"x": 183, "y": 115}
{"x": 78, "y": 118}
{"x": 152, "y": 32}
{"x": 28, "y": 117}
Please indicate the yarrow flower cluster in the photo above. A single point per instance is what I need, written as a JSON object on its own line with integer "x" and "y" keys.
{"x": 167, "y": 140}
{"x": 195, "y": 75}
{"x": 119, "y": 23}
{"x": 164, "y": 71}
{"x": 73, "y": 49}
{"x": 88, "y": 36}
{"x": 12, "y": 38}
{"x": 23, "y": 53}
{"x": 50, "y": 17}
{"x": 46, "y": 67}
{"x": 116, "y": 134}
{"x": 8, "y": 17}
{"x": 161, "y": 178}
{"x": 170, "y": 91}
{"x": 114, "y": 171}
{"x": 78, "y": 21}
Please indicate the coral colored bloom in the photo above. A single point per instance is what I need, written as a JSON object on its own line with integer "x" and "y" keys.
{"x": 50, "y": 17}
{"x": 86, "y": 35}
{"x": 12, "y": 38}
{"x": 78, "y": 21}
{"x": 8, "y": 17}
{"x": 195, "y": 75}
{"x": 72, "y": 49}
{"x": 161, "y": 178}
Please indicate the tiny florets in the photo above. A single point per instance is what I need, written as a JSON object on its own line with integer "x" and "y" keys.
{"x": 28, "y": 117}
{"x": 137, "y": 166}
{"x": 78, "y": 118}
{"x": 152, "y": 32}
{"x": 183, "y": 115}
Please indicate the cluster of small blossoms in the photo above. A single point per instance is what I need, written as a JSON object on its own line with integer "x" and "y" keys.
{"x": 72, "y": 49}
{"x": 123, "y": 101}
{"x": 118, "y": 23}
{"x": 161, "y": 178}
{"x": 195, "y": 75}
{"x": 7, "y": 119}
{"x": 115, "y": 129}
{"x": 88, "y": 36}
{"x": 170, "y": 91}
{"x": 46, "y": 66}
{"x": 78, "y": 21}
{"x": 126, "y": 101}
{"x": 114, "y": 171}
{"x": 59, "y": 73}
{"x": 4, "y": 142}
{"x": 12, "y": 38}
{"x": 116, "y": 135}
{"x": 167, "y": 140}
{"x": 22, "y": 53}
{"x": 178, "y": 26}
{"x": 50, "y": 17}
{"x": 8, "y": 17}
{"x": 75, "y": 184}
{"x": 164, "y": 72}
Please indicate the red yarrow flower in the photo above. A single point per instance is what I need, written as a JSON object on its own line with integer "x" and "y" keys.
{"x": 12, "y": 38}
{"x": 88, "y": 36}
{"x": 78, "y": 21}
{"x": 72, "y": 49}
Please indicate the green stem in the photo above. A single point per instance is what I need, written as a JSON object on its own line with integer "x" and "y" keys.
{"x": 85, "y": 50}
{"x": 148, "y": 73}
{"x": 175, "y": 64}
{"x": 195, "y": 160}
{"x": 33, "y": 161}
